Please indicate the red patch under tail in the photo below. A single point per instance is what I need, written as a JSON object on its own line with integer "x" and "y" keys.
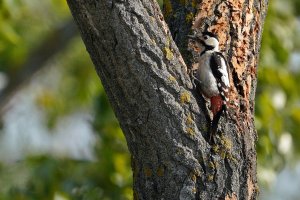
{"x": 216, "y": 104}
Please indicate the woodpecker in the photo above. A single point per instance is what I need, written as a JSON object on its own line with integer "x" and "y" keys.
{"x": 212, "y": 74}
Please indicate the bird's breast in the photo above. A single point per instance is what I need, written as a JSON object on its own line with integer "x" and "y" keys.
{"x": 208, "y": 82}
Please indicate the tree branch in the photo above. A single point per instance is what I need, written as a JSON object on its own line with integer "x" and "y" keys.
{"x": 144, "y": 76}
{"x": 164, "y": 120}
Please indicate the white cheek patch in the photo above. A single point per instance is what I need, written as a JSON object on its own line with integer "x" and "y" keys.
{"x": 212, "y": 42}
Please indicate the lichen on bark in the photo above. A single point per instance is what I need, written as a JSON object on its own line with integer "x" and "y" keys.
{"x": 142, "y": 63}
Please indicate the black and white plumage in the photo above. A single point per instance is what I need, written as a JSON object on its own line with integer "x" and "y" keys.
{"x": 219, "y": 68}
{"x": 212, "y": 74}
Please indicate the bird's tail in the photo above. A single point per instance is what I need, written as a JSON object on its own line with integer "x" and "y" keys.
{"x": 216, "y": 119}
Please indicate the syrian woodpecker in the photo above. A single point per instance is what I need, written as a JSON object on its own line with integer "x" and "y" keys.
{"x": 212, "y": 75}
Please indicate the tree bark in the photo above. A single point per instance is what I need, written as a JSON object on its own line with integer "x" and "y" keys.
{"x": 165, "y": 121}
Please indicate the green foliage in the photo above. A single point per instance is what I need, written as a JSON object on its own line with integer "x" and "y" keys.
{"x": 76, "y": 180}
{"x": 112, "y": 151}
{"x": 25, "y": 23}
{"x": 277, "y": 98}
{"x": 74, "y": 87}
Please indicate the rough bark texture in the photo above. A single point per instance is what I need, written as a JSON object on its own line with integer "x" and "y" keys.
{"x": 164, "y": 119}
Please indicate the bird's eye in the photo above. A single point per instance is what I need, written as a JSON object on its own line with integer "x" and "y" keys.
{"x": 205, "y": 37}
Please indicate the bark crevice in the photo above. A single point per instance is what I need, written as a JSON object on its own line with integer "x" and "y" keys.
{"x": 165, "y": 121}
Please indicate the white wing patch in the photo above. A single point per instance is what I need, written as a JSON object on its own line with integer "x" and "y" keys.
{"x": 223, "y": 70}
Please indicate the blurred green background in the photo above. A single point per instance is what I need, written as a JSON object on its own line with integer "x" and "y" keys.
{"x": 59, "y": 139}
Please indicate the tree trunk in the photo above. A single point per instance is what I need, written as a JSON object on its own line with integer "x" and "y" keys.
{"x": 165, "y": 120}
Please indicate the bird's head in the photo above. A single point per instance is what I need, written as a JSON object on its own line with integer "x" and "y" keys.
{"x": 207, "y": 39}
